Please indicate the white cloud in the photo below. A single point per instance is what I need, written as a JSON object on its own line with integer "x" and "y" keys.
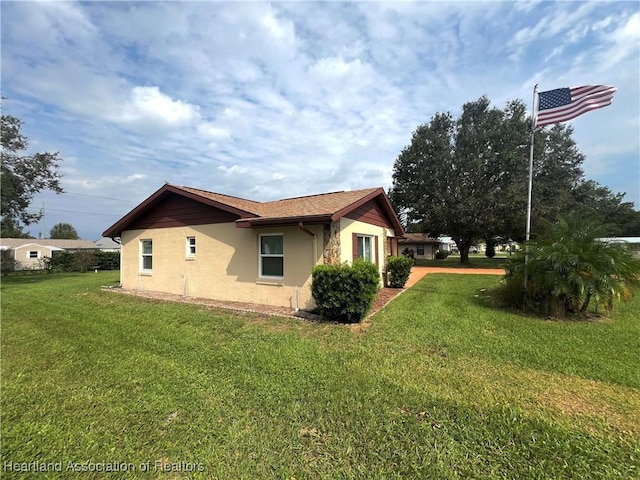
{"x": 150, "y": 104}
{"x": 290, "y": 98}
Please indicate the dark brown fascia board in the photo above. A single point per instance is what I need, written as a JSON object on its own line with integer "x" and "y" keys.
{"x": 379, "y": 193}
{"x": 283, "y": 221}
{"x": 408, "y": 240}
{"x": 117, "y": 228}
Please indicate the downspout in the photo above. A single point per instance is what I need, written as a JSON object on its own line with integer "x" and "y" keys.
{"x": 121, "y": 264}
{"x": 315, "y": 253}
{"x": 315, "y": 243}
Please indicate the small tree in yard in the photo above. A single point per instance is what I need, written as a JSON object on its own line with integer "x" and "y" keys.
{"x": 569, "y": 270}
{"x": 491, "y": 249}
{"x": 345, "y": 293}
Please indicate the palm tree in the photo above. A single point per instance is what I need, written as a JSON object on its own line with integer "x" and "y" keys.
{"x": 571, "y": 269}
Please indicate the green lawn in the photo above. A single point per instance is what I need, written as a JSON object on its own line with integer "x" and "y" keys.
{"x": 436, "y": 385}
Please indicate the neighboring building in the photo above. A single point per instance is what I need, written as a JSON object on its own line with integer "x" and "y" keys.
{"x": 197, "y": 243}
{"x": 632, "y": 242}
{"x": 422, "y": 244}
{"x": 29, "y": 253}
{"x": 105, "y": 244}
{"x": 448, "y": 245}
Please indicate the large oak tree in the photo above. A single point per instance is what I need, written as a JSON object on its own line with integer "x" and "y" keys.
{"x": 468, "y": 177}
{"x": 22, "y": 176}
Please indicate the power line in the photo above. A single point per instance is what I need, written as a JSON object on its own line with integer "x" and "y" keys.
{"x": 97, "y": 196}
{"x": 76, "y": 211}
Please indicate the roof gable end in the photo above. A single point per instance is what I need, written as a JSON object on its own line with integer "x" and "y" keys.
{"x": 156, "y": 198}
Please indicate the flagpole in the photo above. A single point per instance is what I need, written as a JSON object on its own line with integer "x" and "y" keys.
{"x": 528, "y": 230}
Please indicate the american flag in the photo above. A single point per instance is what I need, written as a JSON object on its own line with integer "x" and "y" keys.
{"x": 562, "y": 104}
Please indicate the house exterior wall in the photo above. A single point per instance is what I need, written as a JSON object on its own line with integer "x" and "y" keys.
{"x": 350, "y": 226}
{"x": 21, "y": 256}
{"x": 429, "y": 250}
{"x": 226, "y": 263}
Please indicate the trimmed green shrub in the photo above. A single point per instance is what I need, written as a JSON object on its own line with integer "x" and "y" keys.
{"x": 107, "y": 260}
{"x": 441, "y": 254}
{"x": 491, "y": 250}
{"x": 84, "y": 260}
{"x": 344, "y": 293}
{"x": 409, "y": 253}
{"x": 398, "y": 270}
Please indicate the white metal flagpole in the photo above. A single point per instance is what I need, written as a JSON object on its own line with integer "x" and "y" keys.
{"x": 528, "y": 230}
{"x": 533, "y": 129}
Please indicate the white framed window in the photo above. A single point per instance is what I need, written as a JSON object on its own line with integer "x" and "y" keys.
{"x": 146, "y": 255}
{"x": 365, "y": 247}
{"x": 33, "y": 254}
{"x": 191, "y": 247}
{"x": 271, "y": 255}
{"x": 420, "y": 249}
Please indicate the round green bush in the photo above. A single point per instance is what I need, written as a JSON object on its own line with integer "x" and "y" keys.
{"x": 344, "y": 293}
{"x": 398, "y": 270}
{"x": 441, "y": 254}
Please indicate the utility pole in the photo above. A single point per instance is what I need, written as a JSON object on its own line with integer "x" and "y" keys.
{"x": 42, "y": 229}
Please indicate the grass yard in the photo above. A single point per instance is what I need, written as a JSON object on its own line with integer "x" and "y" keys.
{"x": 476, "y": 260}
{"x": 436, "y": 385}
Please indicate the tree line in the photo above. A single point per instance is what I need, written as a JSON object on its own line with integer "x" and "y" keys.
{"x": 466, "y": 177}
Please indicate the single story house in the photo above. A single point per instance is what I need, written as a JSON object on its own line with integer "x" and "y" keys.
{"x": 192, "y": 242}
{"x": 422, "y": 244}
{"x": 447, "y": 244}
{"x": 29, "y": 253}
{"x": 105, "y": 244}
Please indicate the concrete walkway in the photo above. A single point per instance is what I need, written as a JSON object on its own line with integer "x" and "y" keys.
{"x": 418, "y": 272}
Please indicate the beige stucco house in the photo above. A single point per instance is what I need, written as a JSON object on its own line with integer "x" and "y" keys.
{"x": 422, "y": 245}
{"x": 30, "y": 254}
{"x": 197, "y": 243}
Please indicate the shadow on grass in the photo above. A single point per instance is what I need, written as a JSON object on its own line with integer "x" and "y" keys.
{"x": 475, "y": 261}
{"x": 17, "y": 279}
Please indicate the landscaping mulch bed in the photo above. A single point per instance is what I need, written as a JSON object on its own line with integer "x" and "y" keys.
{"x": 385, "y": 295}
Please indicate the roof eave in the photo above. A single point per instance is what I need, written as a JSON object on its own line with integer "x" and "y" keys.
{"x": 281, "y": 221}
{"x": 121, "y": 225}
{"x": 385, "y": 203}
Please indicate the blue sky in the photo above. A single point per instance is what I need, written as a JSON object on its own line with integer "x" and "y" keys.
{"x": 271, "y": 100}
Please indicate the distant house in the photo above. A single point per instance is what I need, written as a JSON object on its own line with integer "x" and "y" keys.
{"x": 632, "y": 242}
{"x": 447, "y": 244}
{"x": 29, "y": 253}
{"x": 105, "y": 244}
{"x": 422, "y": 245}
{"x": 192, "y": 242}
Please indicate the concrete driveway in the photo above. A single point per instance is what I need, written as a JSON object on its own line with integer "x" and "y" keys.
{"x": 418, "y": 272}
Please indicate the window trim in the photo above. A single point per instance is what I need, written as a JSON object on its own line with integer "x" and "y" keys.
{"x": 371, "y": 252}
{"x": 143, "y": 255}
{"x": 189, "y": 246}
{"x": 374, "y": 246}
{"x": 29, "y": 252}
{"x": 418, "y": 247}
{"x": 271, "y": 255}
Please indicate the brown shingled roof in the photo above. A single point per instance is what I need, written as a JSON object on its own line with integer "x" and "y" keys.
{"x": 321, "y": 204}
{"x": 418, "y": 238}
{"x": 240, "y": 203}
{"x": 313, "y": 208}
